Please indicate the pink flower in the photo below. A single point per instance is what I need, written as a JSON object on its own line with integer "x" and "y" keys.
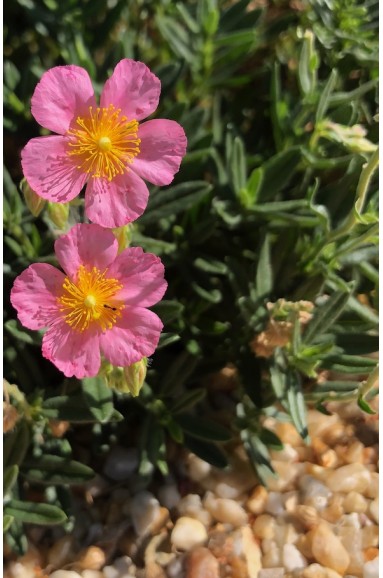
{"x": 97, "y": 306}
{"x": 103, "y": 146}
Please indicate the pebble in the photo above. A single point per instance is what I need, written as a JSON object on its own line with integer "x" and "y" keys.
{"x": 92, "y": 574}
{"x": 257, "y": 500}
{"x": 64, "y": 574}
{"x": 292, "y": 558}
{"x": 274, "y": 504}
{"x": 188, "y": 533}
{"x": 122, "y": 568}
{"x": 371, "y": 568}
{"x": 374, "y": 510}
{"x": 202, "y": 564}
{"x": 328, "y": 550}
{"x": 225, "y": 511}
{"x": 318, "y": 571}
{"x": 287, "y": 473}
{"x": 169, "y": 496}
{"x": 313, "y": 489}
{"x": 355, "y": 502}
{"x": 272, "y": 556}
{"x": 271, "y": 573}
{"x": 248, "y": 549}
{"x": 92, "y": 558}
{"x": 145, "y": 511}
{"x": 198, "y": 469}
{"x": 349, "y": 478}
{"x": 191, "y": 505}
{"x": 264, "y": 527}
{"x": 351, "y": 538}
{"x": 121, "y": 463}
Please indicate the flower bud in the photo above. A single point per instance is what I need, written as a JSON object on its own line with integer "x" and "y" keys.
{"x": 135, "y": 376}
{"x": 58, "y": 214}
{"x": 34, "y": 203}
{"x": 129, "y": 379}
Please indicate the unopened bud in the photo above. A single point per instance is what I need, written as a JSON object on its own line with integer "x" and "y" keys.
{"x": 135, "y": 376}
{"x": 34, "y": 203}
{"x": 58, "y": 214}
{"x": 129, "y": 379}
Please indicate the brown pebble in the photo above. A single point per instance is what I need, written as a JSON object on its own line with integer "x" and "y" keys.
{"x": 288, "y": 434}
{"x": 201, "y": 563}
{"x": 257, "y": 500}
{"x": 92, "y": 558}
{"x": 308, "y": 516}
{"x": 328, "y": 550}
{"x": 334, "y": 510}
{"x": 370, "y": 553}
{"x": 153, "y": 570}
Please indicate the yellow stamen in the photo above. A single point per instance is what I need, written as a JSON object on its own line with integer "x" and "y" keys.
{"x": 104, "y": 142}
{"x": 90, "y": 299}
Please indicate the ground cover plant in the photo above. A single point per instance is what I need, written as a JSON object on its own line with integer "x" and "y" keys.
{"x": 267, "y": 236}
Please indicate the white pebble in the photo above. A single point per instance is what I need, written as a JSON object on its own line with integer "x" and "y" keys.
{"x": 198, "y": 469}
{"x": 352, "y": 477}
{"x": 92, "y": 574}
{"x": 169, "y": 496}
{"x": 121, "y": 463}
{"x": 188, "y": 533}
{"x": 313, "y": 488}
{"x": 292, "y": 558}
{"x": 145, "y": 509}
{"x": 225, "y": 511}
{"x": 122, "y": 568}
{"x": 274, "y": 504}
{"x": 371, "y": 568}
{"x": 191, "y": 505}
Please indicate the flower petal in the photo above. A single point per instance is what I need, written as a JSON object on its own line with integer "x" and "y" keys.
{"x": 75, "y": 354}
{"x": 133, "y": 89}
{"x": 34, "y": 295}
{"x": 142, "y": 275}
{"x": 118, "y": 202}
{"x": 163, "y": 145}
{"x": 88, "y": 245}
{"x": 63, "y": 93}
{"x": 135, "y": 336}
{"x": 50, "y": 172}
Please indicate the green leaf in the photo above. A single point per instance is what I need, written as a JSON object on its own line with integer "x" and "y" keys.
{"x": 210, "y": 265}
{"x": 167, "y": 339}
{"x": 72, "y": 408}
{"x": 278, "y": 171}
{"x": 206, "y": 451}
{"x": 269, "y": 438}
{"x": 7, "y": 521}
{"x": 296, "y": 405}
{"x": 99, "y": 398}
{"x": 13, "y": 328}
{"x": 238, "y": 165}
{"x": 326, "y": 315}
{"x": 362, "y": 403}
{"x": 187, "y": 400}
{"x": 16, "y": 444}
{"x": 50, "y": 469}
{"x": 168, "y": 311}
{"x": 174, "y": 200}
{"x": 202, "y": 428}
{"x": 325, "y": 94}
{"x": 249, "y": 195}
{"x": 10, "y": 477}
{"x": 35, "y": 513}
{"x": 357, "y": 343}
{"x": 264, "y": 277}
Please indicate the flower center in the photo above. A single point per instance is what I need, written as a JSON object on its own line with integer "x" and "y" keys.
{"x": 90, "y": 300}
{"x": 104, "y": 142}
